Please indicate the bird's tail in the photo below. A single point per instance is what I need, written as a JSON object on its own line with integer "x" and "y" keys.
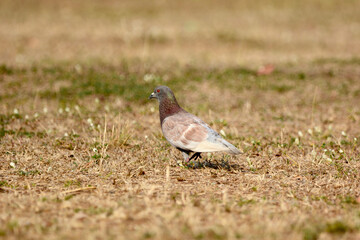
{"x": 232, "y": 149}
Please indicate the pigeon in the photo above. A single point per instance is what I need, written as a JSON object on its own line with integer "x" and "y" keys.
{"x": 185, "y": 131}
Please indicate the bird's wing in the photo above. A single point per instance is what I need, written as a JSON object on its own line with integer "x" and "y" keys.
{"x": 188, "y": 132}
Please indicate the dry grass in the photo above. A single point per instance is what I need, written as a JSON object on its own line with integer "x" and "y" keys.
{"x": 191, "y": 32}
{"x": 82, "y": 154}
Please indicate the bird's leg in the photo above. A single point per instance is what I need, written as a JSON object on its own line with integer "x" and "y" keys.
{"x": 186, "y": 156}
{"x": 195, "y": 156}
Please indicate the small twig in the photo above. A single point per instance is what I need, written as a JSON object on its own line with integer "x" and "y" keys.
{"x": 78, "y": 190}
{"x": 7, "y": 189}
{"x": 103, "y": 149}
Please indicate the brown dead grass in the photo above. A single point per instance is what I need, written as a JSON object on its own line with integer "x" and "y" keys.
{"x": 97, "y": 167}
{"x": 191, "y": 32}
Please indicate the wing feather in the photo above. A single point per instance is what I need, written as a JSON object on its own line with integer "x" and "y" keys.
{"x": 188, "y": 132}
{"x": 183, "y": 132}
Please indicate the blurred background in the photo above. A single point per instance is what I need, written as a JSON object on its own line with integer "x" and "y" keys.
{"x": 186, "y": 32}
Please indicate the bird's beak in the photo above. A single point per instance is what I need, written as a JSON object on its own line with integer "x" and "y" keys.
{"x": 152, "y": 96}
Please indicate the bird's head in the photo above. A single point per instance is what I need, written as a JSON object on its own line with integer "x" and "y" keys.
{"x": 161, "y": 93}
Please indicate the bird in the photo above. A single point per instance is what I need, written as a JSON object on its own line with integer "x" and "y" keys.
{"x": 185, "y": 131}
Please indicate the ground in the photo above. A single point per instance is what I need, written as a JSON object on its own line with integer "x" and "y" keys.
{"x": 82, "y": 153}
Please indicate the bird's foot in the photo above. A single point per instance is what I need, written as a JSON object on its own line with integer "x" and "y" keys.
{"x": 195, "y": 156}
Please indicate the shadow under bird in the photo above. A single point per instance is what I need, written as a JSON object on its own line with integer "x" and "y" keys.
{"x": 185, "y": 131}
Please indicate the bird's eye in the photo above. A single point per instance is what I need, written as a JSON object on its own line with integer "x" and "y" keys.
{"x": 158, "y": 90}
